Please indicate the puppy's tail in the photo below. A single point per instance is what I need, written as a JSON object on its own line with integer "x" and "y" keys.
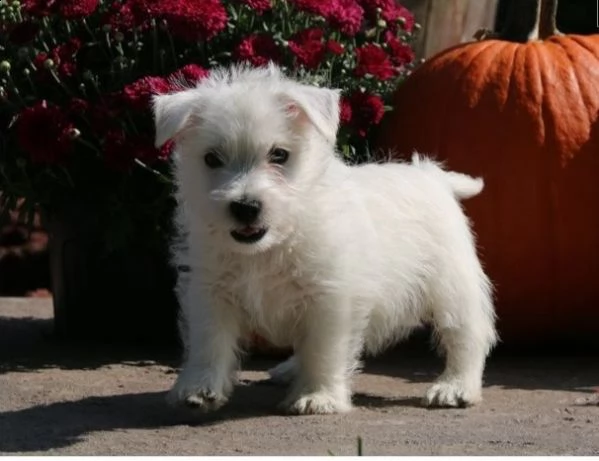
{"x": 462, "y": 185}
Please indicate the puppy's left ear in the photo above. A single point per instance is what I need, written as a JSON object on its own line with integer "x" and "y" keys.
{"x": 318, "y": 106}
{"x": 171, "y": 114}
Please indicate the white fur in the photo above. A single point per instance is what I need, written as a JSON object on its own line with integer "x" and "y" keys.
{"x": 354, "y": 258}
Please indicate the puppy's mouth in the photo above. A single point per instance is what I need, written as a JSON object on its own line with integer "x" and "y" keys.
{"x": 248, "y": 234}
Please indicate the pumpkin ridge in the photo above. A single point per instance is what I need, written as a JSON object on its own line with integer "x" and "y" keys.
{"x": 582, "y": 90}
{"x": 453, "y": 54}
{"x": 526, "y": 78}
{"x": 510, "y": 76}
{"x": 567, "y": 135}
{"x": 481, "y": 83}
{"x": 548, "y": 91}
{"x": 582, "y": 42}
{"x": 594, "y": 54}
{"x": 472, "y": 55}
{"x": 450, "y": 54}
{"x": 532, "y": 60}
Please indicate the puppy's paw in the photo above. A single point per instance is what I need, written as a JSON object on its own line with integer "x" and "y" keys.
{"x": 284, "y": 373}
{"x": 451, "y": 394}
{"x": 317, "y": 403}
{"x": 195, "y": 394}
{"x": 196, "y": 399}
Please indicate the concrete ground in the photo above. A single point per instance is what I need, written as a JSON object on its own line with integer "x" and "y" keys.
{"x": 92, "y": 400}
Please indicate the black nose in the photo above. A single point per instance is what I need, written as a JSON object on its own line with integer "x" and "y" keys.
{"x": 245, "y": 211}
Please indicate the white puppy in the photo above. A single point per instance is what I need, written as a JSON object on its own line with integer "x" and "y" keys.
{"x": 284, "y": 239}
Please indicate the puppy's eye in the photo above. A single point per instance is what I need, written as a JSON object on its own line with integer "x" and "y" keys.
{"x": 213, "y": 160}
{"x": 278, "y": 156}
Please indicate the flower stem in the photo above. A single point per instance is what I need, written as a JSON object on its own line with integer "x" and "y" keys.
{"x": 154, "y": 46}
{"x": 153, "y": 171}
{"x": 172, "y": 46}
{"x": 15, "y": 89}
{"x": 60, "y": 83}
{"x": 90, "y": 146}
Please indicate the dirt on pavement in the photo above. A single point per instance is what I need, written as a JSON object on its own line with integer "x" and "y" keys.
{"x": 84, "y": 399}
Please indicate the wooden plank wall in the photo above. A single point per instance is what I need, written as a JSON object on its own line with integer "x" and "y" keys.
{"x": 448, "y": 22}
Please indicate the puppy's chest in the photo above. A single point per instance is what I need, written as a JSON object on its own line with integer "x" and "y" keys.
{"x": 271, "y": 294}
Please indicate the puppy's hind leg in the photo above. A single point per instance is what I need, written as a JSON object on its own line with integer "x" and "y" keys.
{"x": 464, "y": 322}
{"x": 285, "y": 372}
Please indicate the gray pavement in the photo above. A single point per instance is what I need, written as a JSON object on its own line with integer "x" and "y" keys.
{"x": 95, "y": 400}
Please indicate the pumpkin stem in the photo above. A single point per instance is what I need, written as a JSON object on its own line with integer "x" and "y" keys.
{"x": 547, "y": 19}
{"x": 529, "y": 20}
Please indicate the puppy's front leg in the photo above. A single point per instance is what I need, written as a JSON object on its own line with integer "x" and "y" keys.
{"x": 323, "y": 359}
{"x": 210, "y": 331}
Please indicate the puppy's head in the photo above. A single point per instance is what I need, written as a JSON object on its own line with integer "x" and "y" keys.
{"x": 249, "y": 144}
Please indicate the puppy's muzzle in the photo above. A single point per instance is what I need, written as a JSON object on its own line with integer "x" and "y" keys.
{"x": 245, "y": 211}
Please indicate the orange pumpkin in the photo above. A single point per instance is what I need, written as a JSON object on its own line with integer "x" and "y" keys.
{"x": 522, "y": 111}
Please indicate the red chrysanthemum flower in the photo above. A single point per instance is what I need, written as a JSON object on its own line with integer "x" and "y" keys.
{"x": 401, "y": 53}
{"x": 318, "y": 7}
{"x": 121, "y": 150}
{"x": 366, "y": 110}
{"x": 258, "y": 49}
{"x": 259, "y": 6}
{"x": 335, "y": 47}
{"x": 346, "y": 15}
{"x": 345, "y": 111}
{"x": 67, "y": 69}
{"x": 122, "y": 16}
{"x": 78, "y": 106}
{"x": 104, "y": 114}
{"x": 138, "y": 94}
{"x": 39, "y": 60}
{"x": 45, "y": 133}
{"x": 189, "y": 74}
{"x": 38, "y": 7}
{"x": 373, "y": 60}
{"x": 64, "y": 57}
{"x": 166, "y": 150}
{"x": 73, "y": 9}
{"x": 189, "y": 20}
{"x": 407, "y": 18}
{"x": 23, "y": 33}
{"x": 152, "y": 8}
{"x": 390, "y": 10}
{"x": 308, "y": 47}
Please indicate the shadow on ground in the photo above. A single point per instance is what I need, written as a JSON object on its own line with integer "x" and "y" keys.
{"x": 62, "y": 424}
{"x": 27, "y": 344}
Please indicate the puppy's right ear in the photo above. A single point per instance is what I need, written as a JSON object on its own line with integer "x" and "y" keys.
{"x": 171, "y": 114}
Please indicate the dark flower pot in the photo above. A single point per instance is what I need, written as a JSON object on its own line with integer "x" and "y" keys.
{"x": 124, "y": 296}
